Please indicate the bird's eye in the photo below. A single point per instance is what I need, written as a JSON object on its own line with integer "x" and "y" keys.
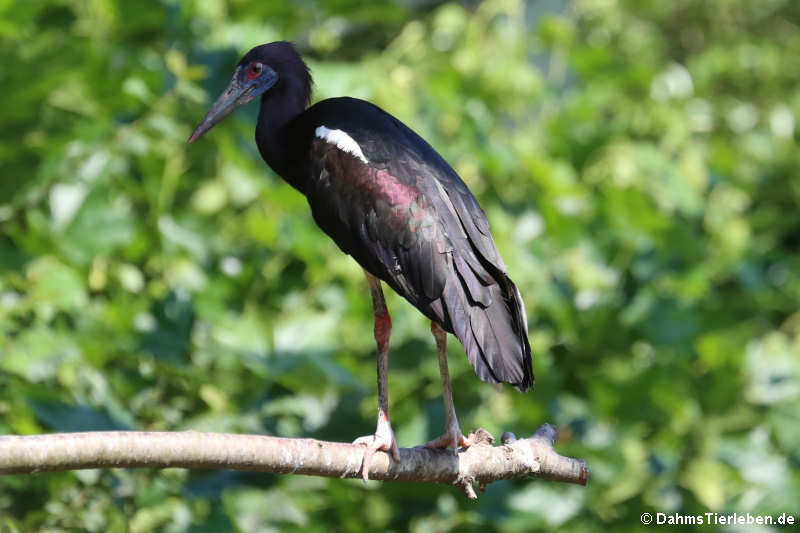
{"x": 254, "y": 71}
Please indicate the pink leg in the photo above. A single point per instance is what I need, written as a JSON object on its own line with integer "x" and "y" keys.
{"x": 383, "y": 439}
{"x": 452, "y": 434}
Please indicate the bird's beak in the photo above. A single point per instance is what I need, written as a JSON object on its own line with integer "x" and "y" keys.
{"x": 236, "y": 95}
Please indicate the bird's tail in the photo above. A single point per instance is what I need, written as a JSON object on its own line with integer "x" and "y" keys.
{"x": 494, "y": 333}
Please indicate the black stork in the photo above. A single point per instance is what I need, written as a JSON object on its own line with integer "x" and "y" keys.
{"x": 390, "y": 201}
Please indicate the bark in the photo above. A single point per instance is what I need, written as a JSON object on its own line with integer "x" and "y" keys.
{"x": 481, "y": 463}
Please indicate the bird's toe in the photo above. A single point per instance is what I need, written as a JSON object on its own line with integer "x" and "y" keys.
{"x": 381, "y": 441}
{"x": 452, "y": 438}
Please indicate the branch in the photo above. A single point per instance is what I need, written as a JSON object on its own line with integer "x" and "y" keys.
{"x": 481, "y": 462}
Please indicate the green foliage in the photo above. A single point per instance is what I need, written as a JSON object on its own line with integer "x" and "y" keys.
{"x": 638, "y": 163}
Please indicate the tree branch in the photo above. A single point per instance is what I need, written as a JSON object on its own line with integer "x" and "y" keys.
{"x": 481, "y": 463}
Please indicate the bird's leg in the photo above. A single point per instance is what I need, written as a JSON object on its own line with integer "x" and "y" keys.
{"x": 383, "y": 439}
{"x": 452, "y": 434}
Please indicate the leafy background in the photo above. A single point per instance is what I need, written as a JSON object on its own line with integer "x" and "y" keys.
{"x": 637, "y": 161}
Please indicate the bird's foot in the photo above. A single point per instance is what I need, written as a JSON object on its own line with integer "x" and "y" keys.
{"x": 452, "y": 438}
{"x": 382, "y": 440}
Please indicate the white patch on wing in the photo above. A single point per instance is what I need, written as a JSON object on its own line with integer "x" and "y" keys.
{"x": 341, "y": 140}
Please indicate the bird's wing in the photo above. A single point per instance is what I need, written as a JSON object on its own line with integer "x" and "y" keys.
{"x": 376, "y": 177}
{"x": 389, "y": 199}
{"x": 386, "y": 224}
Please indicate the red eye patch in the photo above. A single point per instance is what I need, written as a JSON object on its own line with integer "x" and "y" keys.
{"x": 253, "y": 71}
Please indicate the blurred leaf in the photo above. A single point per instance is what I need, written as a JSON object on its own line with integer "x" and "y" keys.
{"x": 169, "y": 339}
{"x": 55, "y": 286}
{"x": 707, "y": 480}
{"x": 60, "y": 416}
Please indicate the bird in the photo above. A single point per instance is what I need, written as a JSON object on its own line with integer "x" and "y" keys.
{"x": 392, "y": 203}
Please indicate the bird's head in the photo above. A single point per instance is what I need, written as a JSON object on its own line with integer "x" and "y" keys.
{"x": 273, "y": 67}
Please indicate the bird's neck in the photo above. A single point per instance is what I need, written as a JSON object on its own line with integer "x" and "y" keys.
{"x": 274, "y": 133}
